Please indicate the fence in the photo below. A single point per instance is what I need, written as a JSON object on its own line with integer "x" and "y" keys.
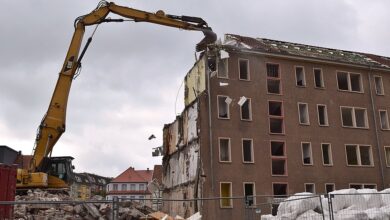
{"x": 302, "y": 206}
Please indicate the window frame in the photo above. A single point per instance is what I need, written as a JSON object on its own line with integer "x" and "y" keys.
{"x": 326, "y": 118}
{"x": 387, "y": 157}
{"x": 239, "y": 69}
{"x": 321, "y": 76}
{"x": 314, "y": 187}
{"x": 228, "y": 107}
{"x": 311, "y": 154}
{"x": 363, "y": 185}
{"x": 307, "y": 112}
{"x": 387, "y": 119}
{"x": 376, "y": 88}
{"x": 354, "y": 117}
{"x": 284, "y": 157}
{"x": 242, "y": 151}
{"x": 250, "y": 110}
{"x": 330, "y": 154}
{"x": 254, "y": 192}
{"x": 231, "y": 195}
{"x": 224, "y": 62}
{"x": 274, "y": 78}
{"x": 358, "y": 155}
{"x": 349, "y": 81}
{"x": 281, "y": 183}
{"x": 303, "y": 74}
{"x": 333, "y": 184}
{"x": 270, "y": 117}
{"x": 229, "y": 149}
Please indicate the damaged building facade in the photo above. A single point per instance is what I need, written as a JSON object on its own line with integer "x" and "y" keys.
{"x": 265, "y": 117}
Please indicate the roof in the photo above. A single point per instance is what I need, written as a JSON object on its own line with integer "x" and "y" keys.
{"x": 134, "y": 176}
{"x": 306, "y": 51}
{"x": 157, "y": 173}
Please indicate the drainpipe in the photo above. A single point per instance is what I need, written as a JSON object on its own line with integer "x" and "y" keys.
{"x": 210, "y": 127}
{"x": 379, "y": 146}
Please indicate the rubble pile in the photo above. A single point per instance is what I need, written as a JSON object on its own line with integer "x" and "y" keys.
{"x": 129, "y": 210}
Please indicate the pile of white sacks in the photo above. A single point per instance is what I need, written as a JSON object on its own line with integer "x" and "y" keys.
{"x": 361, "y": 204}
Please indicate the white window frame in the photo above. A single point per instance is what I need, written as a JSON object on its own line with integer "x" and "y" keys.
{"x": 229, "y": 149}
{"x": 349, "y": 81}
{"x": 386, "y": 118}
{"x": 284, "y": 157}
{"x": 228, "y": 107}
{"x": 307, "y": 113}
{"x": 224, "y": 62}
{"x": 358, "y": 155}
{"x": 311, "y": 154}
{"x": 274, "y": 79}
{"x": 387, "y": 157}
{"x": 330, "y": 154}
{"x": 363, "y": 185}
{"x": 242, "y": 150}
{"x": 254, "y": 192}
{"x": 249, "y": 100}
{"x": 314, "y": 187}
{"x": 382, "y": 92}
{"x": 354, "y": 117}
{"x": 231, "y": 195}
{"x": 334, "y": 186}
{"x": 248, "y": 69}
{"x": 303, "y": 79}
{"x": 326, "y": 119}
{"x": 321, "y": 76}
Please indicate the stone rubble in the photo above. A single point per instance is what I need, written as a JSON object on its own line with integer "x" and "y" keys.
{"x": 129, "y": 210}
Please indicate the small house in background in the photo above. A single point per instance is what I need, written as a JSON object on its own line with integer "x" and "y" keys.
{"x": 156, "y": 188}
{"x": 86, "y": 185}
{"x": 131, "y": 184}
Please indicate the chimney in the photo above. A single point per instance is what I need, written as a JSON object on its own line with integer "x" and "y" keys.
{"x": 147, "y": 169}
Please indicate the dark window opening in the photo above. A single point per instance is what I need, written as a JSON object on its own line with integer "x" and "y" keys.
{"x": 303, "y": 113}
{"x": 247, "y": 150}
{"x": 355, "y": 82}
{"x": 300, "y": 76}
{"x": 244, "y": 69}
{"x": 275, "y": 108}
{"x": 326, "y": 154}
{"x": 273, "y": 70}
{"x": 212, "y": 63}
{"x": 342, "y": 80}
{"x": 277, "y": 148}
{"x": 276, "y": 125}
{"x": 352, "y": 157}
{"x": 318, "y": 78}
{"x": 224, "y": 150}
{"x": 223, "y": 107}
{"x": 329, "y": 188}
{"x": 249, "y": 193}
{"x": 379, "y": 85}
{"x": 346, "y": 114}
{"x": 306, "y": 154}
{"x": 273, "y": 86}
{"x": 279, "y": 189}
{"x": 278, "y": 167}
{"x": 322, "y": 115}
{"x": 310, "y": 187}
{"x": 246, "y": 110}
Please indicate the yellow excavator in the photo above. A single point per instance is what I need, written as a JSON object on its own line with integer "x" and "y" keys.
{"x": 50, "y": 172}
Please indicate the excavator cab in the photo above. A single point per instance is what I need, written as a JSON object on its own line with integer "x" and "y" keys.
{"x": 58, "y": 167}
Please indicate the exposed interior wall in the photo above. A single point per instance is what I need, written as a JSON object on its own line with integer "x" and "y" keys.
{"x": 195, "y": 81}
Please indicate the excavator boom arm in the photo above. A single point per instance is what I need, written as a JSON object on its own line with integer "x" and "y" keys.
{"x": 53, "y": 123}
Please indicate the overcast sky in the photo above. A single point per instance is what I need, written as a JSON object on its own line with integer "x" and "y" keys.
{"x": 133, "y": 71}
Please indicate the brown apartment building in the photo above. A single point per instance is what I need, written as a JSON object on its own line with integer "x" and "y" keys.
{"x": 265, "y": 117}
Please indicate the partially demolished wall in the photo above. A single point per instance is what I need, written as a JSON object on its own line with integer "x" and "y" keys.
{"x": 181, "y": 149}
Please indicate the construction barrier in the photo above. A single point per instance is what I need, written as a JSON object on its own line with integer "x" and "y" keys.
{"x": 7, "y": 189}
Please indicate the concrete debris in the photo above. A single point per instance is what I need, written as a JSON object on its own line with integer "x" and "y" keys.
{"x": 102, "y": 211}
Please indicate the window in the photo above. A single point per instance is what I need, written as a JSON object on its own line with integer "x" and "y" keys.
{"x": 307, "y": 154}
{"x": 249, "y": 193}
{"x": 303, "y": 110}
{"x": 244, "y": 69}
{"x": 379, "y": 85}
{"x": 387, "y": 154}
{"x": 384, "y": 120}
{"x": 318, "y": 78}
{"x": 273, "y": 79}
{"x": 225, "y": 194}
{"x": 329, "y": 187}
{"x": 115, "y": 187}
{"x": 359, "y": 155}
{"x": 246, "y": 110}
{"x": 310, "y": 187}
{"x": 223, "y": 107}
{"x": 354, "y": 117}
{"x": 280, "y": 189}
{"x": 247, "y": 150}
{"x": 322, "y": 115}
{"x": 141, "y": 187}
{"x": 278, "y": 158}
{"x": 132, "y": 187}
{"x": 124, "y": 187}
{"x": 224, "y": 150}
{"x": 275, "y": 112}
{"x": 362, "y": 186}
{"x": 327, "y": 158}
{"x": 351, "y": 82}
{"x": 300, "y": 76}
{"x": 223, "y": 68}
